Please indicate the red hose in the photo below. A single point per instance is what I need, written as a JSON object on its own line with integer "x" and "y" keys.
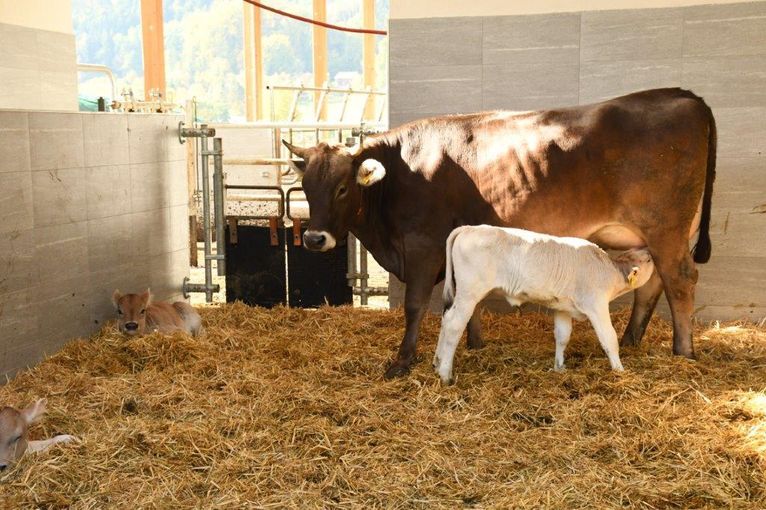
{"x": 315, "y": 22}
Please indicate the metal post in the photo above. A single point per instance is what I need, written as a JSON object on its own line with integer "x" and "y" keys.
{"x": 363, "y": 275}
{"x": 206, "y": 216}
{"x": 351, "y": 267}
{"x": 218, "y": 198}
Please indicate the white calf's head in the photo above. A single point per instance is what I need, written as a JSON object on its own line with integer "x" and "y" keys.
{"x": 14, "y": 425}
{"x": 636, "y": 266}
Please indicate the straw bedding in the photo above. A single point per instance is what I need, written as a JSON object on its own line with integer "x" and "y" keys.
{"x": 287, "y": 408}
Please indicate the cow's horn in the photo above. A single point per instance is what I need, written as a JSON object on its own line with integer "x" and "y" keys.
{"x": 298, "y": 151}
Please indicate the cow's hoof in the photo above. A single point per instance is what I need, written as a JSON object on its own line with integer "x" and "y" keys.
{"x": 397, "y": 369}
{"x": 629, "y": 340}
{"x": 475, "y": 344}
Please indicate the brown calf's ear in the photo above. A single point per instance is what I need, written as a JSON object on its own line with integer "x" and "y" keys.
{"x": 146, "y": 296}
{"x": 116, "y": 297}
{"x": 370, "y": 172}
{"x": 33, "y": 412}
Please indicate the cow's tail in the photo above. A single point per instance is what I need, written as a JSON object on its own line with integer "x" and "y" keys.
{"x": 449, "y": 272}
{"x": 701, "y": 251}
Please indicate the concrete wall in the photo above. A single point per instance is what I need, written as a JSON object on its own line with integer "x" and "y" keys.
{"x": 464, "y": 64}
{"x": 88, "y": 202}
{"x": 38, "y": 70}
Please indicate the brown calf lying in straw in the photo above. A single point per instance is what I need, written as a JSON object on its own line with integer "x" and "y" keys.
{"x": 14, "y": 427}
{"x": 138, "y": 315}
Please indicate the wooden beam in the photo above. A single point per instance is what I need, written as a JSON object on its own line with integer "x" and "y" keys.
{"x": 368, "y": 21}
{"x": 320, "y": 52}
{"x": 253, "y": 62}
{"x": 154, "y": 46}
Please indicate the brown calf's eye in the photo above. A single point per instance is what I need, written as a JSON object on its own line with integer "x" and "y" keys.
{"x": 119, "y": 312}
{"x": 143, "y": 311}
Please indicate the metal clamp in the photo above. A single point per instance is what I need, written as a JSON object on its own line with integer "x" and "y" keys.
{"x": 290, "y": 191}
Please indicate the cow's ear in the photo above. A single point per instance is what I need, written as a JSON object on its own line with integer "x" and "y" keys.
{"x": 298, "y": 165}
{"x": 116, "y": 298}
{"x": 146, "y": 297}
{"x": 370, "y": 172}
{"x": 33, "y": 412}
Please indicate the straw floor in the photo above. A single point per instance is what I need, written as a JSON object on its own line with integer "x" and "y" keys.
{"x": 287, "y": 408}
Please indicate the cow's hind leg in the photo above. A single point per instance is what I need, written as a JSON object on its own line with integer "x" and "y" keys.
{"x": 644, "y": 301}
{"x": 474, "y": 330}
{"x": 679, "y": 276}
{"x": 606, "y": 334}
{"x": 562, "y": 330}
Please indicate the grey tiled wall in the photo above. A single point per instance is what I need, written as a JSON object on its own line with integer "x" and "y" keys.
{"x": 88, "y": 202}
{"x": 38, "y": 70}
{"x": 457, "y": 65}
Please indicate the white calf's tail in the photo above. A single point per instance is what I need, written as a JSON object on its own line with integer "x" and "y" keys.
{"x": 449, "y": 278}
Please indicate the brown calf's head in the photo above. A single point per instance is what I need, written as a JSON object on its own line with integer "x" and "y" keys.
{"x": 131, "y": 311}
{"x": 333, "y": 179}
{"x": 636, "y": 266}
{"x": 14, "y": 425}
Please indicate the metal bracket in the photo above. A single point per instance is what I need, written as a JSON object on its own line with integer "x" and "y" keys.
{"x": 181, "y": 139}
{"x": 233, "y": 237}
{"x": 273, "y": 233}
{"x": 296, "y": 231}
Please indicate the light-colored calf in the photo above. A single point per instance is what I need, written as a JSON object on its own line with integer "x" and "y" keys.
{"x": 14, "y": 428}
{"x": 137, "y": 314}
{"x": 571, "y": 276}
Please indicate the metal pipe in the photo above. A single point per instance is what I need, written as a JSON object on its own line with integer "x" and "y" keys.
{"x": 372, "y": 127}
{"x": 218, "y": 198}
{"x": 363, "y": 275}
{"x": 98, "y": 68}
{"x": 323, "y": 89}
{"x": 206, "y": 215}
{"x": 351, "y": 266}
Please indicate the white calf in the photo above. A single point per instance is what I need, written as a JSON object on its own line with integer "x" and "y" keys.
{"x": 572, "y": 276}
{"x": 14, "y": 427}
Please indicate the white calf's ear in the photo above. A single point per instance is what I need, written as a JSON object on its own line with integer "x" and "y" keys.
{"x": 633, "y": 276}
{"x": 370, "y": 172}
{"x": 33, "y": 412}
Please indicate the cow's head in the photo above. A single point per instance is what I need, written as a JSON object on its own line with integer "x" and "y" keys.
{"x": 14, "y": 425}
{"x": 131, "y": 311}
{"x": 333, "y": 179}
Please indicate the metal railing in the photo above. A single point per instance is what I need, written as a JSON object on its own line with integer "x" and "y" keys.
{"x": 324, "y": 92}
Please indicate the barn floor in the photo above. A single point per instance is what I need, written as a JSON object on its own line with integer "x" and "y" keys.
{"x": 287, "y": 408}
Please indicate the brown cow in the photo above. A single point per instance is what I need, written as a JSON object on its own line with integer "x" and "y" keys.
{"x": 137, "y": 314}
{"x": 635, "y": 171}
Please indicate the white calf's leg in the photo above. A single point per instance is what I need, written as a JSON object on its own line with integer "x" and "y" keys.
{"x": 562, "y": 329}
{"x": 454, "y": 322}
{"x": 607, "y": 336}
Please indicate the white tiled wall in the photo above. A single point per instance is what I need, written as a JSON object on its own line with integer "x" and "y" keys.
{"x": 38, "y": 69}
{"x": 89, "y": 202}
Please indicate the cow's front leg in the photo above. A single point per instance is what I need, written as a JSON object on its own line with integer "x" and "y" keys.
{"x": 474, "y": 331}
{"x": 417, "y": 294}
{"x": 644, "y": 301}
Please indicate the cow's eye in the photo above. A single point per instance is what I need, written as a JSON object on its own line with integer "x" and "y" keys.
{"x": 15, "y": 440}
{"x": 119, "y": 312}
{"x": 143, "y": 311}
{"x": 341, "y": 191}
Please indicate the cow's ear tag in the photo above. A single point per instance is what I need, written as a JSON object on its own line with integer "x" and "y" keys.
{"x": 370, "y": 172}
{"x": 633, "y": 277}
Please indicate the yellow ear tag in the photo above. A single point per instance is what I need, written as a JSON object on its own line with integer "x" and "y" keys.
{"x": 633, "y": 278}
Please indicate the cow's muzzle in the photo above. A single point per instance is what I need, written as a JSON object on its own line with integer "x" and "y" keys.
{"x": 131, "y": 327}
{"x": 318, "y": 240}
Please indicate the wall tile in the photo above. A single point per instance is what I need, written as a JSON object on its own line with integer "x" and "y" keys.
{"x": 20, "y": 47}
{"x": 17, "y": 261}
{"x": 19, "y": 88}
{"x": 19, "y": 324}
{"x": 177, "y": 183}
{"x": 537, "y": 86}
{"x": 58, "y": 91}
{"x": 442, "y": 89}
{"x": 518, "y": 40}
{"x": 61, "y": 252}
{"x": 111, "y": 243}
{"x": 646, "y": 34}
{"x": 63, "y": 312}
{"x": 174, "y": 151}
{"x": 605, "y": 80}
{"x": 105, "y": 139}
{"x": 60, "y": 196}
{"x": 727, "y": 81}
{"x": 145, "y": 142}
{"x": 741, "y": 131}
{"x": 179, "y": 228}
{"x": 148, "y": 186}
{"x": 16, "y": 209}
{"x": 56, "y": 51}
{"x": 14, "y": 142}
{"x": 734, "y": 29}
{"x": 56, "y": 140}
{"x": 435, "y": 41}
{"x": 150, "y": 230}
{"x": 108, "y": 190}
